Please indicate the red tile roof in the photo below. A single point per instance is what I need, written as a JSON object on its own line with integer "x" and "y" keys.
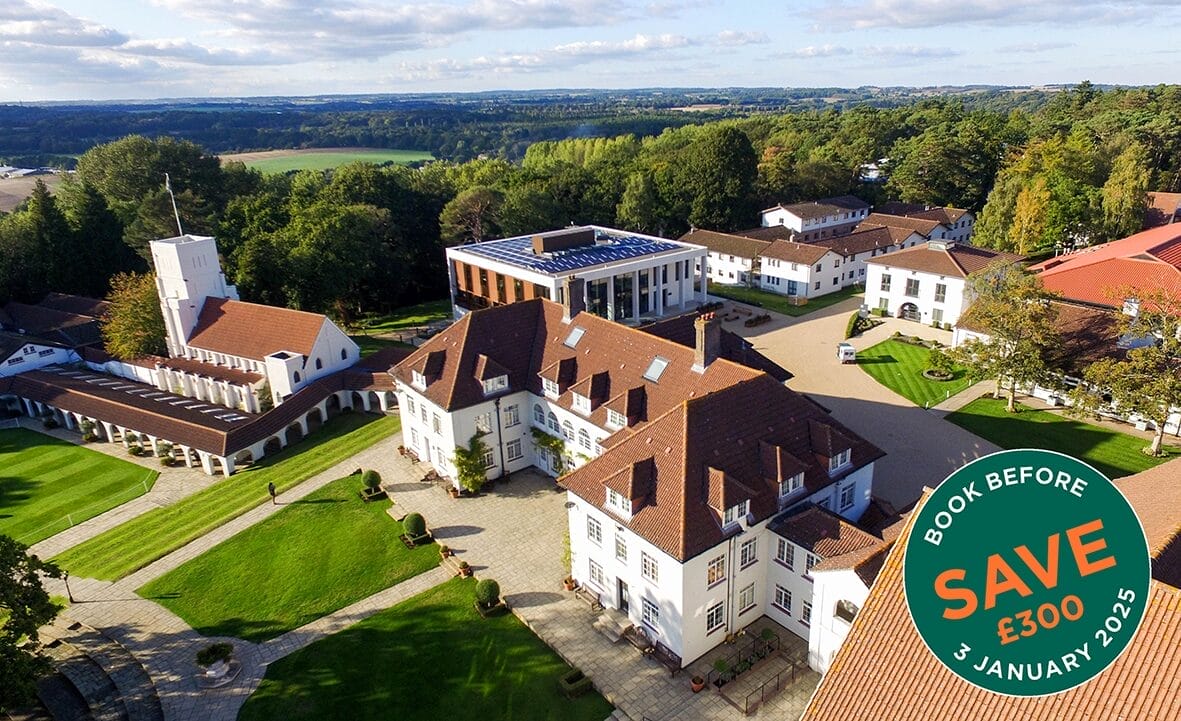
{"x": 1156, "y": 496}
{"x": 863, "y": 240}
{"x": 824, "y": 206}
{"x": 925, "y": 226}
{"x": 824, "y": 533}
{"x": 884, "y": 671}
{"x": 792, "y": 252}
{"x": 1163, "y": 208}
{"x": 680, "y": 329}
{"x": 725, "y": 243}
{"x": 707, "y": 451}
{"x": 76, "y": 304}
{"x": 956, "y": 260}
{"x": 253, "y": 330}
{"x": 1149, "y": 259}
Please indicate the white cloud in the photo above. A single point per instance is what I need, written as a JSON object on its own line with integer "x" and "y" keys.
{"x": 25, "y": 22}
{"x": 1034, "y": 47}
{"x": 908, "y": 51}
{"x": 820, "y": 51}
{"x": 185, "y": 51}
{"x": 938, "y": 13}
{"x": 734, "y": 38}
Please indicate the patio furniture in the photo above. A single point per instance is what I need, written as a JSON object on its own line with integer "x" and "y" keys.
{"x": 638, "y": 637}
{"x": 588, "y": 597}
{"x": 667, "y": 658}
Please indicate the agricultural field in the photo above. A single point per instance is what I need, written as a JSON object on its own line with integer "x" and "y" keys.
{"x": 13, "y": 191}
{"x": 283, "y": 161}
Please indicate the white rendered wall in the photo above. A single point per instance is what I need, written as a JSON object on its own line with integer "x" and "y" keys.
{"x": 827, "y": 631}
{"x": 22, "y": 361}
{"x": 187, "y": 272}
{"x": 953, "y": 304}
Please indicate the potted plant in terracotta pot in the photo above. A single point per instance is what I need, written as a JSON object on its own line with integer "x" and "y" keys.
{"x": 445, "y": 551}
{"x": 569, "y": 583}
{"x": 696, "y": 683}
{"x": 464, "y": 569}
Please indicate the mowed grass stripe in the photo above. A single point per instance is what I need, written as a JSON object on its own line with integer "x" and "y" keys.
{"x": 43, "y": 480}
{"x": 155, "y": 534}
{"x": 315, "y": 556}
{"x": 899, "y": 366}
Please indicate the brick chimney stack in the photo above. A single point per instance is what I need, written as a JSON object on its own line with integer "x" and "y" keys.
{"x": 709, "y": 341}
{"x": 573, "y": 297}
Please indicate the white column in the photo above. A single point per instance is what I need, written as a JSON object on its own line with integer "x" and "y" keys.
{"x": 635, "y": 294}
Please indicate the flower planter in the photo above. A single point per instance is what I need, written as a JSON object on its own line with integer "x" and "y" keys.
{"x": 697, "y": 683}
{"x": 574, "y": 683}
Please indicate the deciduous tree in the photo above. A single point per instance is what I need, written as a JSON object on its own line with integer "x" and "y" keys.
{"x": 25, "y": 606}
{"x": 472, "y": 216}
{"x": 134, "y": 324}
{"x": 1014, "y": 310}
{"x": 1125, "y": 194}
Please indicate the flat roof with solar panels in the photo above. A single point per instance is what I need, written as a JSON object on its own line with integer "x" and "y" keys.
{"x": 565, "y": 251}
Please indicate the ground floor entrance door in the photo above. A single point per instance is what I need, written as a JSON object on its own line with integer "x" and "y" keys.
{"x": 623, "y": 605}
{"x": 909, "y": 311}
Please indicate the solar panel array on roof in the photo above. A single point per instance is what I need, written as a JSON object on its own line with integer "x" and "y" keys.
{"x": 223, "y": 413}
{"x": 608, "y": 248}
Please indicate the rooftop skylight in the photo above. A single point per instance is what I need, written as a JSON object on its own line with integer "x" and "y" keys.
{"x": 574, "y": 337}
{"x": 655, "y": 368}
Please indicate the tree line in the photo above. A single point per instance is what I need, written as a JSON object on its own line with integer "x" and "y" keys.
{"x": 364, "y": 239}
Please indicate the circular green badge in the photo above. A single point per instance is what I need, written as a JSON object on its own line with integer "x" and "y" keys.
{"x": 1026, "y": 572}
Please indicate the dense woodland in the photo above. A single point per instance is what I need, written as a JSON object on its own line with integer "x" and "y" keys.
{"x": 363, "y": 239}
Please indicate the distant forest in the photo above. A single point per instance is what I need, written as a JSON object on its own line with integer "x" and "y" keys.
{"x": 452, "y": 127}
{"x": 1044, "y": 170}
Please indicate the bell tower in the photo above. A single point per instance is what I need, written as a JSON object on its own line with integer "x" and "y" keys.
{"x": 187, "y": 272}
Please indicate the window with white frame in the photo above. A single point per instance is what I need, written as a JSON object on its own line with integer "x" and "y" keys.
{"x": 414, "y": 437}
{"x": 410, "y": 405}
{"x": 581, "y": 404}
{"x": 620, "y": 544}
{"x": 422, "y": 409}
{"x": 715, "y": 572}
{"x": 789, "y": 486}
{"x": 650, "y": 614}
{"x": 513, "y": 450}
{"x": 437, "y": 423}
{"x": 848, "y": 494}
{"x": 553, "y": 423}
{"x": 489, "y": 458}
{"x": 618, "y": 502}
{"x": 483, "y": 423}
{"x": 584, "y": 439}
{"x": 806, "y": 612}
{"x": 810, "y": 560}
{"x": 783, "y": 599}
{"x": 512, "y": 416}
{"x": 937, "y": 315}
{"x": 785, "y": 553}
{"x": 417, "y": 379}
{"x": 495, "y": 385}
{"x": 615, "y": 419}
{"x": 746, "y": 599}
{"x": 715, "y": 617}
{"x": 550, "y": 388}
{"x": 649, "y": 568}
{"x": 912, "y": 287}
{"x": 596, "y": 574}
{"x": 594, "y": 530}
{"x": 733, "y": 513}
{"x": 748, "y": 552}
{"x": 885, "y": 283}
{"x": 538, "y": 415}
{"x": 839, "y": 460}
{"x": 940, "y": 292}
{"x": 568, "y": 430}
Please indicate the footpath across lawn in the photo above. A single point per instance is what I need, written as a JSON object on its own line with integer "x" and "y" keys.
{"x": 133, "y": 545}
{"x": 315, "y": 556}
{"x": 899, "y": 366}
{"x": 48, "y": 484}
{"x": 780, "y": 303}
{"x": 1111, "y": 452}
{"x": 430, "y": 657}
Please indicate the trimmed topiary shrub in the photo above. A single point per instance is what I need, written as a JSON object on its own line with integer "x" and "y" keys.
{"x": 487, "y": 593}
{"x": 851, "y": 326}
{"x": 135, "y": 450}
{"x": 167, "y": 461}
{"x": 414, "y": 524}
{"x": 371, "y": 479}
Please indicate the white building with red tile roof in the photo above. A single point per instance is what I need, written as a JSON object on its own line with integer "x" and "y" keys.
{"x": 676, "y": 457}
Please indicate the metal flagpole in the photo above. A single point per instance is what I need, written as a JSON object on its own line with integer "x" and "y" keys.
{"x": 168, "y": 187}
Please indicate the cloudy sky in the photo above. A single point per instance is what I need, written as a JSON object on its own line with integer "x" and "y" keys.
{"x": 111, "y": 49}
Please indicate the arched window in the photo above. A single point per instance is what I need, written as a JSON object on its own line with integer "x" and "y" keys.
{"x": 319, "y": 364}
{"x": 553, "y": 423}
{"x": 538, "y": 415}
{"x": 344, "y": 354}
{"x": 295, "y": 375}
{"x": 584, "y": 439}
{"x": 568, "y": 430}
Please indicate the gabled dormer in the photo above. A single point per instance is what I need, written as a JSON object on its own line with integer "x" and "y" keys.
{"x": 557, "y": 377}
{"x": 428, "y": 370}
{"x": 729, "y": 498}
{"x": 782, "y": 470}
{"x": 831, "y": 446}
{"x": 629, "y": 489}
{"x": 589, "y": 393}
{"x": 626, "y": 409}
{"x": 491, "y": 374}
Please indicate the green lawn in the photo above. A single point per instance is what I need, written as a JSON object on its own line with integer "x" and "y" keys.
{"x": 46, "y": 483}
{"x": 332, "y": 159}
{"x": 899, "y": 366}
{"x": 410, "y": 317}
{"x": 315, "y": 556}
{"x": 1111, "y": 452}
{"x": 370, "y": 345}
{"x": 779, "y": 303}
{"x": 430, "y": 657}
{"x": 155, "y": 534}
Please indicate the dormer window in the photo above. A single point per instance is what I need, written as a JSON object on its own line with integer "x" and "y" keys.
{"x": 417, "y": 379}
{"x": 582, "y": 404}
{"x": 617, "y": 502}
{"x": 839, "y": 460}
{"x": 495, "y": 385}
{"x": 615, "y": 419}
{"x": 733, "y": 513}
{"x": 789, "y": 486}
{"x": 550, "y": 388}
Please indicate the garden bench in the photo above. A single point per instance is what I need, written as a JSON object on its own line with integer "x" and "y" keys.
{"x": 589, "y": 597}
{"x": 667, "y": 658}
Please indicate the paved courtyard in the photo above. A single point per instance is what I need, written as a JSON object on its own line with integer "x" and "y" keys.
{"x": 922, "y": 449}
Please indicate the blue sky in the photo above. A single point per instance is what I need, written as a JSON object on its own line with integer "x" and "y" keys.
{"x": 111, "y": 49}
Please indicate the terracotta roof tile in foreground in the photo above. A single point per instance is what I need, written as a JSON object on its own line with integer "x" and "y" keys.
{"x": 252, "y": 330}
{"x": 823, "y": 532}
{"x": 884, "y": 671}
{"x": 1156, "y": 496}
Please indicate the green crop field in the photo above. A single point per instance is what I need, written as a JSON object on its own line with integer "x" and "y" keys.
{"x": 46, "y": 484}
{"x": 283, "y": 161}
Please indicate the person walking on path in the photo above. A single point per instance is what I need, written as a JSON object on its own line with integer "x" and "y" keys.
{"x": 271, "y": 490}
